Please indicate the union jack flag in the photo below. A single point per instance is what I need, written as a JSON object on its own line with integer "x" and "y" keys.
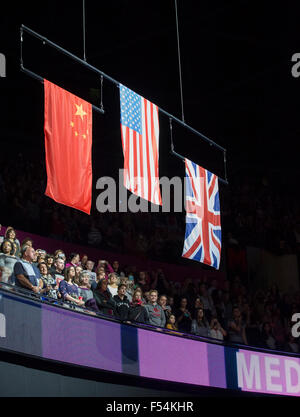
{"x": 203, "y": 223}
{"x": 140, "y": 140}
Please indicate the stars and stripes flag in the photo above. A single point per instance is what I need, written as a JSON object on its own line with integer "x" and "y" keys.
{"x": 140, "y": 140}
{"x": 203, "y": 224}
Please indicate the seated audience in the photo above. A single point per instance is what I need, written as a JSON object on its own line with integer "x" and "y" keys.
{"x": 35, "y": 264}
{"x": 130, "y": 286}
{"x": 183, "y": 316}
{"x": 122, "y": 303}
{"x": 50, "y": 263}
{"x": 74, "y": 260}
{"x": 267, "y": 336}
{"x": 200, "y": 326}
{"x": 59, "y": 253}
{"x": 143, "y": 281}
{"x": 99, "y": 276}
{"x": 58, "y": 273}
{"x": 24, "y": 276}
{"x": 137, "y": 311}
{"x": 292, "y": 344}
{"x": 86, "y": 292}
{"x": 113, "y": 283}
{"x": 48, "y": 285}
{"x": 83, "y": 261}
{"x": 10, "y": 234}
{"x": 41, "y": 255}
{"x": 216, "y": 330}
{"x": 197, "y": 305}
{"x": 116, "y": 268}
{"x": 1, "y": 236}
{"x": 236, "y": 327}
{"x": 7, "y": 260}
{"x": 105, "y": 266}
{"x": 208, "y": 304}
{"x": 171, "y": 323}
{"x": 78, "y": 270}
{"x": 27, "y": 241}
{"x": 239, "y": 324}
{"x": 155, "y": 312}
{"x": 68, "y": 289}
{"x": 144, "y": 298}
{"x": 104, "y": 298}
{"x": 162, "y": 301}
{"x": 160, "y": 281}
{"x": 89, "y": 266}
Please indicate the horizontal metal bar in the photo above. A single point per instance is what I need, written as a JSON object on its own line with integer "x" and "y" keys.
{"x": 212, "y": 143}
{"x": 69, "y": 54}
{"x": 41, "y": 79}
{"x": 224, "y": 181}
{"x": 91, "y": 67}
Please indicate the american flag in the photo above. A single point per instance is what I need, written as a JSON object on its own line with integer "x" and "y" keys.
{"x": 140, "y": 140}
{"x": 203, "y": 223}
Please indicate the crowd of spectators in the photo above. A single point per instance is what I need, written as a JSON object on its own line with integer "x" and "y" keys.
{"x": 24, "y": 205}
{"x": 256, "y": 210}
{"x": 226, "y": 311}
{"x": 263, "y": 211}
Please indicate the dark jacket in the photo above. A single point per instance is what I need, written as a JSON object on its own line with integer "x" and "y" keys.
{"x": 138, "y": 313}
{"x": 104, "y": 302}
{"x": 122, "y": 307}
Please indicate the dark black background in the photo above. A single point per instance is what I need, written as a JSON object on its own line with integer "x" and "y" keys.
{"x": 238, "y": 88}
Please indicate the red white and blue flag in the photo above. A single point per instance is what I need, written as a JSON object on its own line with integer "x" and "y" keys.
{"x": 203, "y": 223}
{"x": 140, "y": 140}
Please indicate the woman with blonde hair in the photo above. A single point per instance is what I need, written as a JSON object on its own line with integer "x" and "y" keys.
{"x": 86, "y": 292}
{"x": 113, "y": 283}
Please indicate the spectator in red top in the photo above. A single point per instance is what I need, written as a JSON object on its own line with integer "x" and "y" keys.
{"x": 107, "y": 268}
{"x": 83, "y": 261}
{"x": 73, "y": 260}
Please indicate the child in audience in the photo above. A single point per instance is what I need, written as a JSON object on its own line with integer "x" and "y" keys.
{"x": 171, "y": 323}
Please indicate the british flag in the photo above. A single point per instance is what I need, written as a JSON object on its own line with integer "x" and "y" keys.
{"x": 203, "y": 223}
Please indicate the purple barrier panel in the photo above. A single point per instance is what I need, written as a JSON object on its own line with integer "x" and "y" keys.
{"x": 268, "y": 373}
{"x": 216, "y": 365}
{"x": 83, "y": 340}
{"x": 171, "y": 358}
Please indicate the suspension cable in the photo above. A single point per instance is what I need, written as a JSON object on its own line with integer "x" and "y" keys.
{"x": 179, "y": 62}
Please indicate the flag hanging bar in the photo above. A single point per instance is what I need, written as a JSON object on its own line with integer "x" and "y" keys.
{"x": 224, "y": 181}
{"x": 41, "y": 79}
{"x": 117, "y": 83}
{"x": 83, "y": 28}
{"x": 179, "y": 62}
{"x": 69, "y": 54}
{"x": 172, "y": 152}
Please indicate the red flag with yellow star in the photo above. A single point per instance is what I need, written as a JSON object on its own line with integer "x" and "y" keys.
{"x": 68, "y": 147}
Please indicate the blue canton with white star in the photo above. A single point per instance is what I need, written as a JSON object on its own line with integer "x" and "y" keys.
{"x": 131, "y": 114}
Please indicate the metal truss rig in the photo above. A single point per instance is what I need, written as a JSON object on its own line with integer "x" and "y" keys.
{"x": 117, "y": 83}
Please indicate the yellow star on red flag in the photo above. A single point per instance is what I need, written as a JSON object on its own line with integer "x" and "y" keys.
{"x": 80, "y": 112}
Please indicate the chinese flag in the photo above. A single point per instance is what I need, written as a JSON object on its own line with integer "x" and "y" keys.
{"x": 68, "y": 147}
